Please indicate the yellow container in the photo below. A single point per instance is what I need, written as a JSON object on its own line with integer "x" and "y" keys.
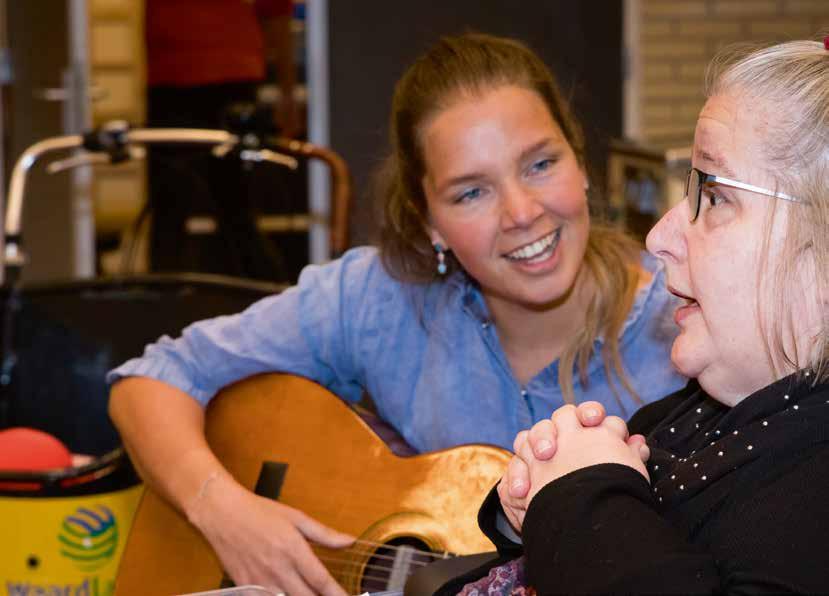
{"x": 67, "y": 546}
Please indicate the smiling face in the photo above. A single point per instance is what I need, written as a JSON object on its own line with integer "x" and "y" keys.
{"x": 506, "y": 194}
{"x": 714, "y": 262}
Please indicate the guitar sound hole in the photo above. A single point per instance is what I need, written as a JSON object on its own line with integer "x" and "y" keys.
{"x": 392, "y": 564}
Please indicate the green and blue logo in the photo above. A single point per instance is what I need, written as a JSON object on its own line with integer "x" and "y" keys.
{"x": 89, "y": 538}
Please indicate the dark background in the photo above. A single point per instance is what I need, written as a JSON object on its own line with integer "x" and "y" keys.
{"x": 372, "y": 41}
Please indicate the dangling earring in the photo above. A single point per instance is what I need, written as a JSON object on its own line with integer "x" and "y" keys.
{"x": 441, "y": 258}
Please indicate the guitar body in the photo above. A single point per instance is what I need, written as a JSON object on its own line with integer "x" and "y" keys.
{"x": 338, "y": 471}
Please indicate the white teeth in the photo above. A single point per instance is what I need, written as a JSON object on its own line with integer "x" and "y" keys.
{"x": 539, "y": 247}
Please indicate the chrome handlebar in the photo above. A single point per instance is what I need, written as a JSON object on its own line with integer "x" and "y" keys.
{"x": 114, "y": 143}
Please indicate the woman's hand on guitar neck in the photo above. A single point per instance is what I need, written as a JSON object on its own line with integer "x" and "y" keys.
{"x": 260, "y": 541}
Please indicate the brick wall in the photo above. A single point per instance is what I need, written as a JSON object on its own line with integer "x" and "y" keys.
{"x": 677, "y": 38}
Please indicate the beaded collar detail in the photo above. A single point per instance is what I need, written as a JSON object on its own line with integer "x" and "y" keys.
{"x": 703, "y": 441}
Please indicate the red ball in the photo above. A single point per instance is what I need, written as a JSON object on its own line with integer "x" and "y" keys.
{"x": 30, "y": 450}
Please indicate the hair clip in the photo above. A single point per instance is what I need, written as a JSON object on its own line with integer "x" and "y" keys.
{"x": 826, "y": 42}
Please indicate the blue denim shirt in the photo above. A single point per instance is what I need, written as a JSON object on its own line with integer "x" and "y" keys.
{"x": 427, "y": 354}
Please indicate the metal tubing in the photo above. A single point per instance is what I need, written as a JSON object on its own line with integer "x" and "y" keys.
{"x": 338, "y": 225}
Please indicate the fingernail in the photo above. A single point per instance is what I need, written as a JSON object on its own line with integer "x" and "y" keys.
{"x": 543, "y": 445}
{"x": 591, "y": 413}
{"x": 517, "y": 484}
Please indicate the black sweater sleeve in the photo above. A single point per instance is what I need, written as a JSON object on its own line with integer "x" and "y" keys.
{"x": 597, "y": 530}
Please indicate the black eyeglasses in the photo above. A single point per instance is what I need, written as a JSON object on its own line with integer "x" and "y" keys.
{"x": 697, "y": 179}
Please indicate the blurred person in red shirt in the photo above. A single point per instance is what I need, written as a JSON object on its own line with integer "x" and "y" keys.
{"x": 203, "y": 56}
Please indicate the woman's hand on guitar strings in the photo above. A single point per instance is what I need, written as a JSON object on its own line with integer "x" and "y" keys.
{"x": 261, "y": 541}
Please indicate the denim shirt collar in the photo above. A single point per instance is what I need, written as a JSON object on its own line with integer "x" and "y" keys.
{"x": 470, "y": 296}
{"x": 473, "y": 302}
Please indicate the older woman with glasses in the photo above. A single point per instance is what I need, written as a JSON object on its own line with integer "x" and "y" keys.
{"x": 725, "y": 488}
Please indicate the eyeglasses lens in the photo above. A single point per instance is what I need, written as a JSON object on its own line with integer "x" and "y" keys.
{"x": 692, "y": 193}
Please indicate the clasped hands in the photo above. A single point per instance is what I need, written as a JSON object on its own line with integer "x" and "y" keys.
{"x": 571, "y": 439}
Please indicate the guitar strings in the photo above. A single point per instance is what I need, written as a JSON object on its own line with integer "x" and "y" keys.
{"x": 352, "y": 561}
{"x": 346, "y": 563}
{"x": 380, "y": 545}
{"x": 355, "y": 575}
{"x": 392, "y": 547}
{"x": 341, "y": 565}
{"x": 351, "y": 570}
{"x": 444, "y": 554}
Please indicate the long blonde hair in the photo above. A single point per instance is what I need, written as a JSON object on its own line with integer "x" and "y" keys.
{"x": 470, "y": 65}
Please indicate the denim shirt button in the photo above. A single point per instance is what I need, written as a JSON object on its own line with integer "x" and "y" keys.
{"x": 523, "y": 393}
{"x": 485, "y": 325}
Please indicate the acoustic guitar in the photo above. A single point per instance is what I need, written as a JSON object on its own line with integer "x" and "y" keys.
{"x": 290, "y": 439}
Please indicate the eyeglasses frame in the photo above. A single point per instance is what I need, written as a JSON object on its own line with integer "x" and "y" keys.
{"x": 706, "y": 178}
